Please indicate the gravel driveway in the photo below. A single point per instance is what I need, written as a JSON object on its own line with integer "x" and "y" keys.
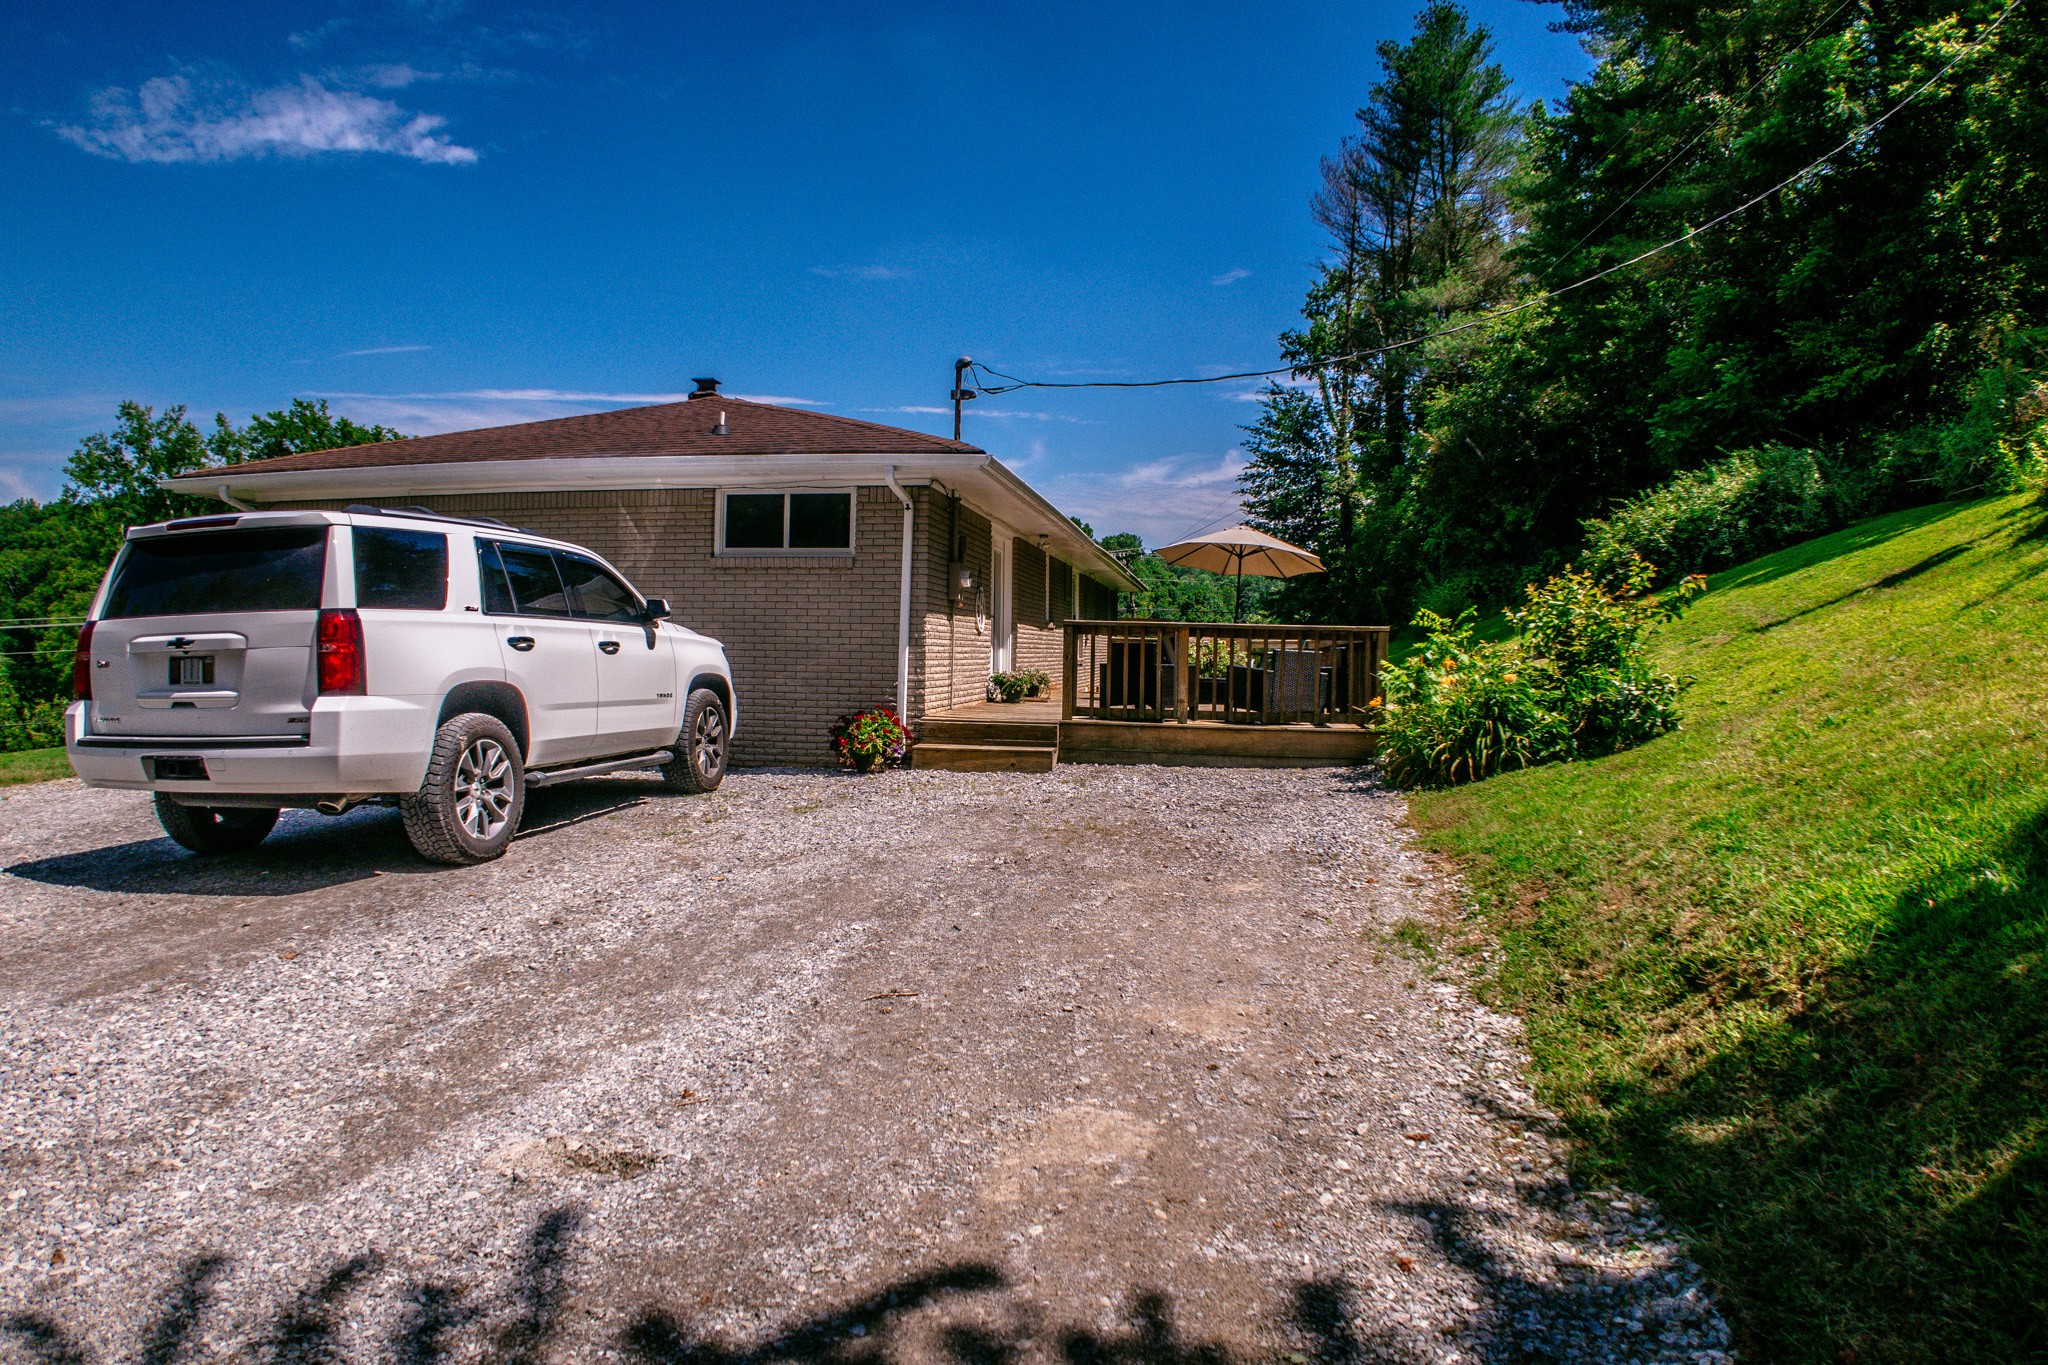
{"x": 1116, "y": 1066}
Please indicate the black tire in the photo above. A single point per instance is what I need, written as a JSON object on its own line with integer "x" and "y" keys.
{"x": 702, "y": 748}
{"x": 468, "y": 809}
{"x": 214, "y": 829}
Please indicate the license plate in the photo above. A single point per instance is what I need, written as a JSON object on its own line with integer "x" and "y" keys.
{"x": 193, "y": 670}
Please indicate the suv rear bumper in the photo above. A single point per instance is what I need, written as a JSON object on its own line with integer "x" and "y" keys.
{"x": 354, "y": 746}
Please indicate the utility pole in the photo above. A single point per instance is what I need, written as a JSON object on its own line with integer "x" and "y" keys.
{"x": 960, "y": 393}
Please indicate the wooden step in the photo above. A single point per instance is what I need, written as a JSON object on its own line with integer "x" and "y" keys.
{"x": 1016, "y": 734}
{"x": 983, "y": 758}
{"x": 1206, "y": 744}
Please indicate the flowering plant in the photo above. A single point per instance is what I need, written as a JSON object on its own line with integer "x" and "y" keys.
{"x": 866, "y": 740}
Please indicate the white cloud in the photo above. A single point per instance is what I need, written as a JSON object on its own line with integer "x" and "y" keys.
{"x": 30, "y": 476}
{"x": 386, "y": 350}
{"x": 313, "y": 37}
{"x": 179, "y": 119}
{"x": 1162, "y": 500}
{"x": 860, "y": 272}
{"x": 1229, "y": 277}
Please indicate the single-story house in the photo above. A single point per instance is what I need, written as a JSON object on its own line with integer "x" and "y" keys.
{"x": 845, "y": 564}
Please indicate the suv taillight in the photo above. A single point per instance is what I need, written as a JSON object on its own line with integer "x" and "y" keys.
{"x": 81, "y": 665}
{"x": 339, "y": 645}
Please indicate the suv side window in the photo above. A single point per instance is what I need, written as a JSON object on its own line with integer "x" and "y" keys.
{"x": 403, "y": 569}
{"x": 521, "y": 580}
{"x": 598, "y": 595}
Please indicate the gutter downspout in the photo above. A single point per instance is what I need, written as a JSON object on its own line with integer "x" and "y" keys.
{"x": 221, "y": 492}
{"x": 903, "y": 609}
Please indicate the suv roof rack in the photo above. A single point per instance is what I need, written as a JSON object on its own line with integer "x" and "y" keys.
{"x": 431, "y": 515}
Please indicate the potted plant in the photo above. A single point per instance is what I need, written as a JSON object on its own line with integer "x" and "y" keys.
{"x": 868, "y": 740}
{"x": 1007, "y": 687}
{"x": 1035, "y": 682}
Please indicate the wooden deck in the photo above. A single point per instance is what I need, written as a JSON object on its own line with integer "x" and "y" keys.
{"x": 1030, "y": 736}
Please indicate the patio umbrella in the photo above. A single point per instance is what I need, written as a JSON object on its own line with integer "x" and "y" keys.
{"x": 1241, "y": 550}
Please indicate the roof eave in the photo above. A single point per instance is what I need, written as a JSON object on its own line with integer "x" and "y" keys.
{"x": 253, "y": 484}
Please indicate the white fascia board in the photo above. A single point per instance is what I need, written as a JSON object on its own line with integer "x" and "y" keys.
{"x": 594, "y": 472}
{"x": 1009, "y": 499}
{"x": 985, "y": 478}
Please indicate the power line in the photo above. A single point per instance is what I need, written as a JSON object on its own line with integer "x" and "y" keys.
{"x": 1740, "y": 102}
{"x": 1485, "y": 319}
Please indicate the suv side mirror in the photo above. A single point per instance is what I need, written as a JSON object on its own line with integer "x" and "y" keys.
{"x": 656, "y": 609}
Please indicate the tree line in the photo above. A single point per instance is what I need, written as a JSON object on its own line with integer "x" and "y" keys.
{"x": 1881, "y": 316}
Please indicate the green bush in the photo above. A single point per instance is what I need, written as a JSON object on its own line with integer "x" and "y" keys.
{"x": 1574, "y": 682}
{"x": 1756, "y": 502}
{"x": 27, "y": 722}
{"x": 1707, "y": 519}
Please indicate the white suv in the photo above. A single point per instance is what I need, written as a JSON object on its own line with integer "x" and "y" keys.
{"x": 238, "y": 664}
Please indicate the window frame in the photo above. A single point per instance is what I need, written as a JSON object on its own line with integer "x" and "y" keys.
{"x": 498, "y": 547}
{"x": 564, "y": 558}
{"x": 360, "y": 531}
{"x": 720, "y": 550}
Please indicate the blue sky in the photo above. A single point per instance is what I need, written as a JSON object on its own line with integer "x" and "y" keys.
{"x": 440, "y": 215}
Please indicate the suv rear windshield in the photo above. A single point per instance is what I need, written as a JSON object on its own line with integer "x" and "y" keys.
{"x": 203, "y": 572}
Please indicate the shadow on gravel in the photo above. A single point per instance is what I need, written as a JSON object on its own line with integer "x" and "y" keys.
{"x": 307, "y": 852}
{"x": 522, "y": 1321}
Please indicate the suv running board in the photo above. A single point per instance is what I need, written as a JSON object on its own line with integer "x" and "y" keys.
{"x": 653, "y": 759}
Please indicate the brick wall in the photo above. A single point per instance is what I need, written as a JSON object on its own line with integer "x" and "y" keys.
{"x": 1039, "y": 642}
{"x": 950, "y": 666}
{"x": 1062, "y": 590}
{"x": 809, "y": 639}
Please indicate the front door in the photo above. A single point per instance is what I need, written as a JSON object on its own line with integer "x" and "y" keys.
{"x": 1002, "y": 629}
{"x": 549, "y": 655}
{"x": 637, "y": 707}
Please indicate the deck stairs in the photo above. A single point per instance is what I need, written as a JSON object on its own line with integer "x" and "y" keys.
{"x": 986, "y": 746}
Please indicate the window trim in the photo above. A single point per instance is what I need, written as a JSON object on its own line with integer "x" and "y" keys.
{"x": 498, "y": 546}
{"x": 720, "y": 551}
{"x": 576, "y": 613}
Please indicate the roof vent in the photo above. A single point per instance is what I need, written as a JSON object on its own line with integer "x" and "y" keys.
{"x": 706, "y": 388}
{"x": 720, "y": 429}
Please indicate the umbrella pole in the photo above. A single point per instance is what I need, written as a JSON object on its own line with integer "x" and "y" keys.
{"x": 1237, "y": 612}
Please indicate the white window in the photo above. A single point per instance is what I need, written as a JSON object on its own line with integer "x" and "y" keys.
{"x": 803, "y": 522}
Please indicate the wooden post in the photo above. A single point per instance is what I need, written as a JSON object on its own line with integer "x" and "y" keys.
{"x": 1183, "y": 673}
{"x": 1069, "y": 683}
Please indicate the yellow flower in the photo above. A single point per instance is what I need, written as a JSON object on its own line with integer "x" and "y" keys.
{"x": 1511, "y": 677}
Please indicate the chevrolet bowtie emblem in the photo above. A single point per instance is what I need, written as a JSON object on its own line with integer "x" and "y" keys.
{"x": 181, "y": 643}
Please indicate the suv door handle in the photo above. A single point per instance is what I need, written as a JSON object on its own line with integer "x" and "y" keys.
{"x": 608, "y": 646}
{"x": 520, "y": 642}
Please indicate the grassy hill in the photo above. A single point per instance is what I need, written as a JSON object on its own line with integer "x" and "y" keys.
{"x": 1784, "y": 969}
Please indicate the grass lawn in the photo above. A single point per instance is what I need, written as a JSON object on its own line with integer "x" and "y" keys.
{"x": 1787, "y": 969}
{"x": 33, "y": 765}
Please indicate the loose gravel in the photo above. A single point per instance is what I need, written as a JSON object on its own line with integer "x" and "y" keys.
{"x": 1109, "y": 1065}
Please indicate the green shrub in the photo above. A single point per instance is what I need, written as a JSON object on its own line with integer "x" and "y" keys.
{"x": 1707, "y": 519}
{"x": 1574, "y": 682}
{"x": 27, "y": 722}
{"x": 1458, "y": 710}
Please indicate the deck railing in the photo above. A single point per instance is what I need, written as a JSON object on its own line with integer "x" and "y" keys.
{"x": 1237, "y": 674}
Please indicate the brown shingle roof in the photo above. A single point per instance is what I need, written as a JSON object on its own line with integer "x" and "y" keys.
{"x": 662, "y": 429}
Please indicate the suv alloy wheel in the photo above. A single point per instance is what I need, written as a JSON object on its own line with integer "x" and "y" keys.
{"x": 699, "y": 764}
{"x": 468, "y": 808}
